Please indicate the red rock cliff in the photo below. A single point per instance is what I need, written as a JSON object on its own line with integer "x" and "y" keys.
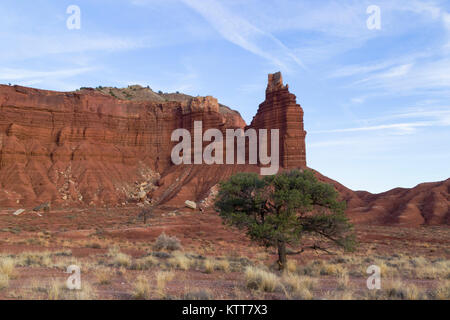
{"x": 281, "y": 111}
{"x": 89, "y": 148}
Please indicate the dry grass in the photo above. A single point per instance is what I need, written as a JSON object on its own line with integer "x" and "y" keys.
{"x": 87, "y": 292}
{"x": 399, "y": 290}
{"x": 396, "y": 290}
{"x": 180, "y": 261}
{"x": 4, "y": 281}
{"x": 343, "y": 281}
{"x": 332, "y": 269}
{"x": 291, "y": 266}
{"x": 8, "y": 267}
{"x": 162, "y": 278}
{"x": 298, "y": 287}
{"x": 39, "y": 259}
{"x": 223, "y": 265}
{"x": 142, "y": 289}
{"x": 54, "y": 290}
{"x": 209, "y": 265}
{"x": 103, "y": 276}
{"x": 119, "y": 259}
{"x": 293, "y": 282}
{"x": 57, "y": 290}
{"x": 336, "y": 277}
{"x": 259, "y": 279}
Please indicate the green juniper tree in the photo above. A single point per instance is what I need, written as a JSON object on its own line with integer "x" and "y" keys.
{"x": 279, "y": 210}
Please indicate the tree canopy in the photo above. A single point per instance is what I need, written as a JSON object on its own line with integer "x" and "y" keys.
{"x": 282, "y": 209}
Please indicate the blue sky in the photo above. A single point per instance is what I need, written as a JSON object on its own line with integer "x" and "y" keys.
{"x": 376, "y": 102}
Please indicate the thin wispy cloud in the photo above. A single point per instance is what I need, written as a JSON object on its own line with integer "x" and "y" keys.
{"x": 412, "y": 78}
{"x": 61, "y": 79}
{"x": 26, "y": 46}
{"x": 424, "y": 71}
{"x": 402, "y": 127}
{"x": 239, "y": 31}
{"x": 429, "y": 118}
{"x": 24, "y": 74}
{"x": 394, "y": 72}
{"x": 437, "y": 113}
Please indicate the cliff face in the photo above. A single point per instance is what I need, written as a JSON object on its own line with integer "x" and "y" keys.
{"x": 89, "y": 148}
{"x": 281, "y": 111}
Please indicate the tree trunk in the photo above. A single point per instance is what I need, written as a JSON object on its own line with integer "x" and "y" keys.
{"x": 281, "y": 254}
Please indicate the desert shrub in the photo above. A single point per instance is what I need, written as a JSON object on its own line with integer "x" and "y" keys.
{"x": 144, "y": 263}
{"x": 161, "y": 255}
{"x": 442, "y": 291}
{"x": 122, "y": 260}
{"x": 94, "y": 245}
{"x": 418, "y": 262}
{"x": 222, "y": 265}
{"x": 339, "y": 295}
{"x": 201, "y": 294}
{"x": 164, "y": 242}
{"x": 34, "y": 259}
{"x": 63, "y": 253}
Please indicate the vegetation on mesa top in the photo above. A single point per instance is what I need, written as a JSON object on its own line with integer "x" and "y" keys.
{"x": 140, "y": 93}
{"x": 280, "y": 210}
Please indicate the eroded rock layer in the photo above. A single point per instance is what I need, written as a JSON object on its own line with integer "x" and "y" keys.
{"x": 89, "y": 148}
{"x": 281, "y": 111}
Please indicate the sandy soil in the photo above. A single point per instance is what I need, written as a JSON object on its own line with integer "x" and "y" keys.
{"x": 86, "y": 236}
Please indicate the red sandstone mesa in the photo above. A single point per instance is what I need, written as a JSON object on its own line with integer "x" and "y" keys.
{"x": 89, "y": 148}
